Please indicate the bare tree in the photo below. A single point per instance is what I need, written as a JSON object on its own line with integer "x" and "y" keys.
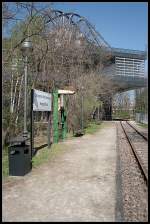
{"x": 64, "y": 54}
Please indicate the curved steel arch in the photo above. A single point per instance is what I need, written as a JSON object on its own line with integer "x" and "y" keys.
{"x": 77, "y": 21}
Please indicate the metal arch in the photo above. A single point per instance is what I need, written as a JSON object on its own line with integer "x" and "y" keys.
{"x": 57, "y": 16}
{"x": 98, "y": 34}
{"x": 91, "y": 31}
{"x": 91, "y": 28}
{"x": 97, "y": 37}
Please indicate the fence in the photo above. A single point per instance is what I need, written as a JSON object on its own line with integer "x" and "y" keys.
{"x": 141, "y": 118}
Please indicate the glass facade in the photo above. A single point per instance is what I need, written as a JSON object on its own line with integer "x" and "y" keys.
{"x": 129, "y": 67}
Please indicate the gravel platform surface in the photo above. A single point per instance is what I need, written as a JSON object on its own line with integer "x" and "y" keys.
{"x": 78, "y": 185}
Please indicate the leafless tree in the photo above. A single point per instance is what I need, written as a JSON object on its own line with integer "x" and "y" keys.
{"x": 64, "y": 54}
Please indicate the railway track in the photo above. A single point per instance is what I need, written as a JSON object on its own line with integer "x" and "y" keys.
{"x": 140, "y": 133}
{"x": 139, "y": 145}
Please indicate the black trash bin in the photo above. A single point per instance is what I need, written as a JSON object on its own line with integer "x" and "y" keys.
{"x": 19, "y": 157}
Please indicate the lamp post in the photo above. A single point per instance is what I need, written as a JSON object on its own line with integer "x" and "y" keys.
{"x": 26, "y": 48}
{"x": 82, "y": 88}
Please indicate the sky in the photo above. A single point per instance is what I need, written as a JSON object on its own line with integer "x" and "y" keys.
{"x": 123, "y": 25}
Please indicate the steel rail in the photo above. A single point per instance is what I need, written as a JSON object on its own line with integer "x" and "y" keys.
{"x": 146, "y": 138}
{"x": 138, "y": 159}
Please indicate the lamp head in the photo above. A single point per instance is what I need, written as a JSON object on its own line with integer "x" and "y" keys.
{"x": 26, "y": 47}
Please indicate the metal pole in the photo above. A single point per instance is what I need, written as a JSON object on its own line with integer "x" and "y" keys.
{"x": 32, "y": 123}
{"x": 25, "y": 133}
{"x": 48, "y": 131}
{"x": 82, "y": 112}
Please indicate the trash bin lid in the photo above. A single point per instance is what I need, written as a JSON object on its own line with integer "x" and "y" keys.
{"x": 19, "y": 140}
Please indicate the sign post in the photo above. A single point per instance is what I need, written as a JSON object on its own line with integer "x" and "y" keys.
{"x": 48, "y": 132}
{"x": 40, "y": 101}
{"x": 32, "y": 123}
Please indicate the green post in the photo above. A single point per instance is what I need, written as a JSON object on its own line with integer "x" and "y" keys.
{"x": 55, "y": 116}
{"x": 64, "y": 123}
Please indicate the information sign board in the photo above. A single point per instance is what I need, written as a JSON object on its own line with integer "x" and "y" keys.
{"x": 42, "y": 101}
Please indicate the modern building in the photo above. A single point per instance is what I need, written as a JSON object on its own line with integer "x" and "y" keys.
{"x": 127, "y": 69}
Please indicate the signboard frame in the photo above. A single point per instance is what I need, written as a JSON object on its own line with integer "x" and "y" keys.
{"x": 41, "y": 100}
{"x": 32, "y": 116}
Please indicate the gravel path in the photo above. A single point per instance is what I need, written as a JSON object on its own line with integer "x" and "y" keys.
{"x": 78, "y": 185}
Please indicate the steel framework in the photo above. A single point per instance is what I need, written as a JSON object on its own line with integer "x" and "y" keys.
{"x": 71, "y": 21}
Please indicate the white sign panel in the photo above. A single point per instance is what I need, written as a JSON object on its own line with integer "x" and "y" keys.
{"x": 63, "y": 91}
{"x": 41, "y": 101}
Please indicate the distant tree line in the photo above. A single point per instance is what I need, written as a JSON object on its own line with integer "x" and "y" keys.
{"x": 141, "y": 100}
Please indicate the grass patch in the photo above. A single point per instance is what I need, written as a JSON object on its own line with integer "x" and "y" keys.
{"x": 142, "y": 125}
{"x": 121, "y": 115}
{"x": 69, "y": 135}
{"x": 93, "y": 127}
{"x": 5, "y": 168}
{"x": 45, "y": 155}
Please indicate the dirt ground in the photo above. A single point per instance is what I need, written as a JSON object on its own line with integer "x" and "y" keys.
{"x": 78, "y": 185}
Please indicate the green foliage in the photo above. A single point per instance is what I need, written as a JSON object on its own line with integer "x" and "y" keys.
{"x": 45, "y": 154}
{"x": 89, "y": 104}
{"x": 141, "y": 100}
{"x": 41, "y": 157}
{"x": 143, "y": 125}
{"x": 5, "y": 170}
{"x": 121, "y": 114}
{"x": 93, "y": 127}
